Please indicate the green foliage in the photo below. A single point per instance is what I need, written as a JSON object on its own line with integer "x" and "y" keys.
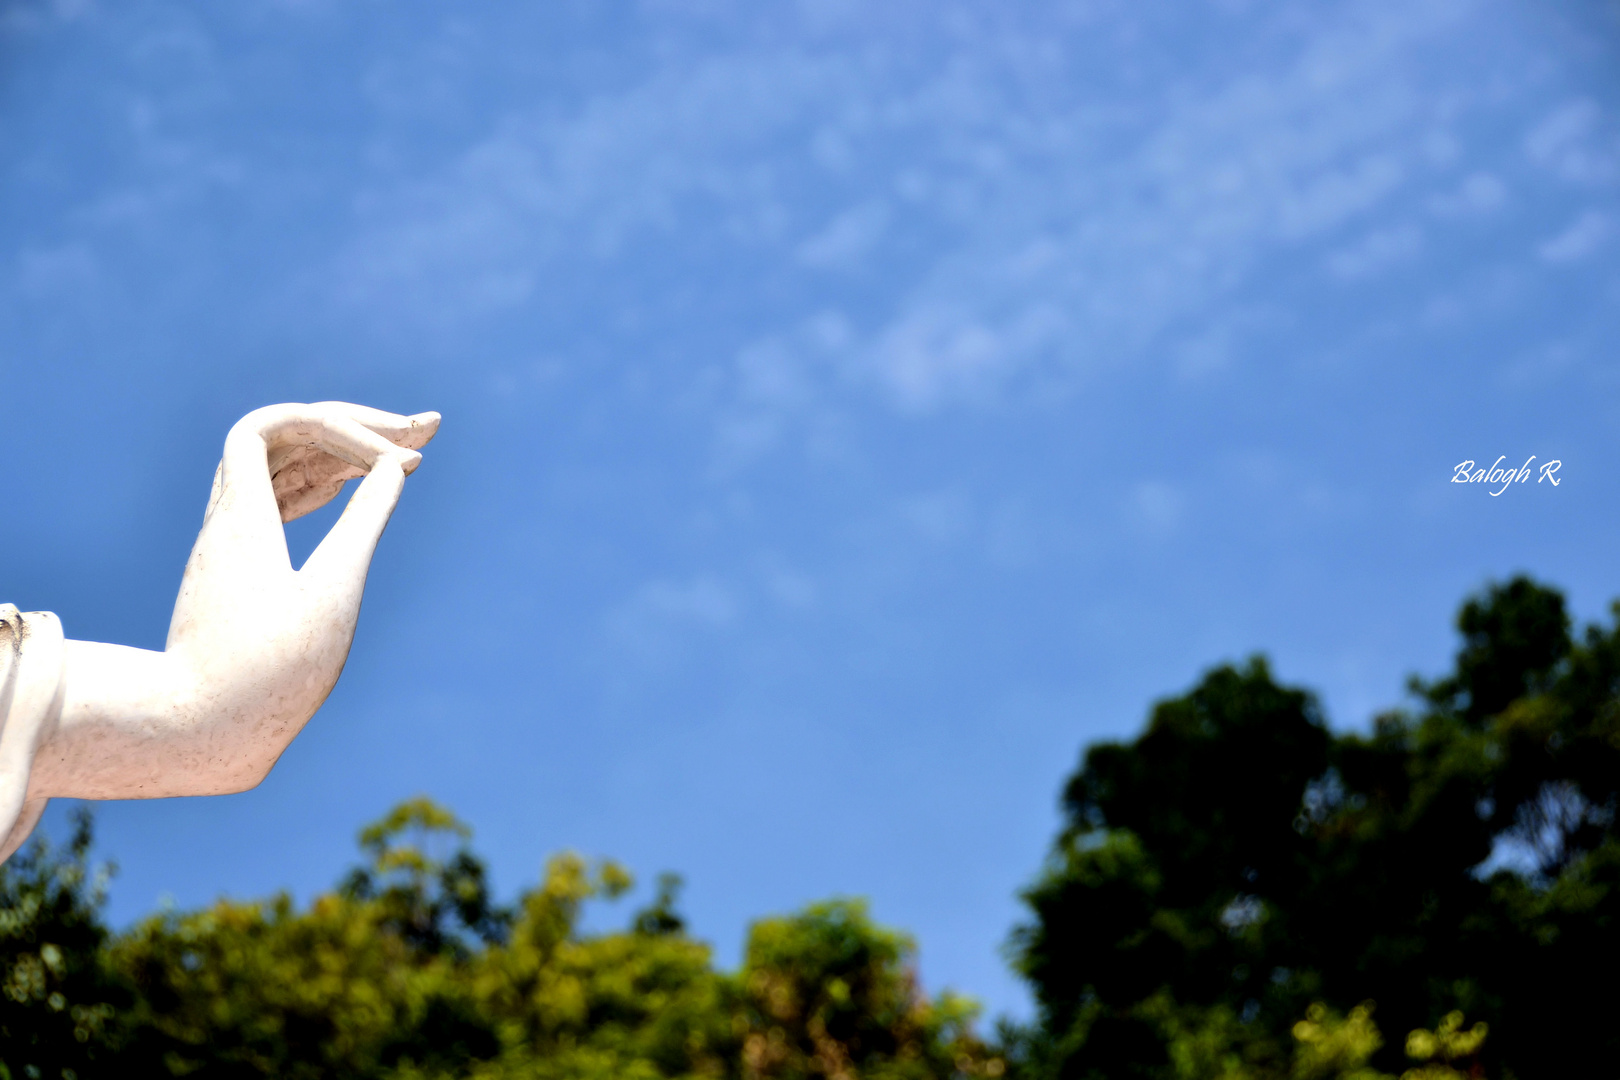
{"x": 1444, "y": 1049}
{"x": 1166, "y": 880}
{"x": 827, "y": 993}
{"x": 56, "y": 997}
{"x": 1327, "y": 1045}
{"x": 266, "y": 990}
{"x": 1231, "y": 892}
{"x": 436, "y": 900}
{"x": 629, "y": 1004}
{"x": 1237, "y": 865}
{"x": 364, "y": 980}
{"x": 409, "y": 971}
{"x": 1213, "y": 1043}
{"x": 1514, "y": 636}
{"x": 1330, "y": 1047}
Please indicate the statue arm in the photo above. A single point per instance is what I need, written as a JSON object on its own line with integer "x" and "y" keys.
{"x": 128, "y": 728}
{"x": 254, "y": 646}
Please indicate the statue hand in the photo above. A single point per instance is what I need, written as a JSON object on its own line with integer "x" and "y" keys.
{"x": 254, "y": 646}
{"x": 282, "y": 462}
{"x": 306, "y": 477}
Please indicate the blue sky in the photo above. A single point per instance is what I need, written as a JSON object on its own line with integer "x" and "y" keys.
{"x": 851, "y": 410}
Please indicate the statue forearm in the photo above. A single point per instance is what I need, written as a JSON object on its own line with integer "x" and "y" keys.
{"x": 254, "y": 646}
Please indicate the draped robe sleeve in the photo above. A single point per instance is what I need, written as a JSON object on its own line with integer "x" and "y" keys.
{"x": 31, "y": 655}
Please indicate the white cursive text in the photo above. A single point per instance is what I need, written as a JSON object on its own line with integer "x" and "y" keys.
{"x": 1467, "y": 474}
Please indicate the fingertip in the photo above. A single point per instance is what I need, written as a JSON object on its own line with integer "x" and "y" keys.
{"x": 424, "y": 426}
{"x": 408, "y": 461}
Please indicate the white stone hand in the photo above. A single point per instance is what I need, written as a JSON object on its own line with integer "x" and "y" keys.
{"x": 254, "y": 646}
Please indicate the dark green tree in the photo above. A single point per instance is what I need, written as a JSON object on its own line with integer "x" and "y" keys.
{"x": 1238, "y": 860}
{"x": 58, "y": 1001}
{"x": 1165, "y": 884}
{"x": 1514, "y": 637}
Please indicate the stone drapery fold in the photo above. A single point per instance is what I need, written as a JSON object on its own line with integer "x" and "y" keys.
{"x": 31, "y": 684}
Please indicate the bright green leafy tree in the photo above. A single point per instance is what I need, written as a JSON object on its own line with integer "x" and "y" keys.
{"x": 827, "y": 993}
{"x": 409, "y": 971}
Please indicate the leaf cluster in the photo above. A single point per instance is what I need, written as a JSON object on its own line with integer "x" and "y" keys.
{"x": 410, "y": 971}
{"x": 1239, "y": 864}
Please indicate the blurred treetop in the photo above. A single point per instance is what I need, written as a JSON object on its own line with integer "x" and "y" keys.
{"x": 1239, "y": 893}
{"x": 1238, "y": 860}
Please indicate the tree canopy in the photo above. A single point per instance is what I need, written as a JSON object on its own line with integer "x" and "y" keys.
{"x": 1238, "y": 859}
{"x": 1238, "y": 893}
{"x": 410, "y": 971}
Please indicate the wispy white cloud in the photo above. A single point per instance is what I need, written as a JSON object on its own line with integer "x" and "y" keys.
{"x": 1049, "y": 235}
{"x": 656, "y": 624}
{"x": 1156, "y": 508}
{"x": 939, "y": 517}
{"x": 1573, "y": 142}
{"x": 22, "y": 18}
{"x": 1479, "y": 194}
{"x": 1377, "y": 250}
{"x": 72, "y": 267}
{"x": 1579, "y": 239}
{"x": 1543, "y": 364}
{"x": 664, "y": 619}
{"x": 847, "y": 237}
{"x": 539, "y": 194}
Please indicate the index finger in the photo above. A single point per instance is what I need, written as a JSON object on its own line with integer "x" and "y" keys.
{"x": 410, "y": 432}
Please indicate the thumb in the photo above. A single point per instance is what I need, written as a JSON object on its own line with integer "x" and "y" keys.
{"x": 344, "y": 556}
